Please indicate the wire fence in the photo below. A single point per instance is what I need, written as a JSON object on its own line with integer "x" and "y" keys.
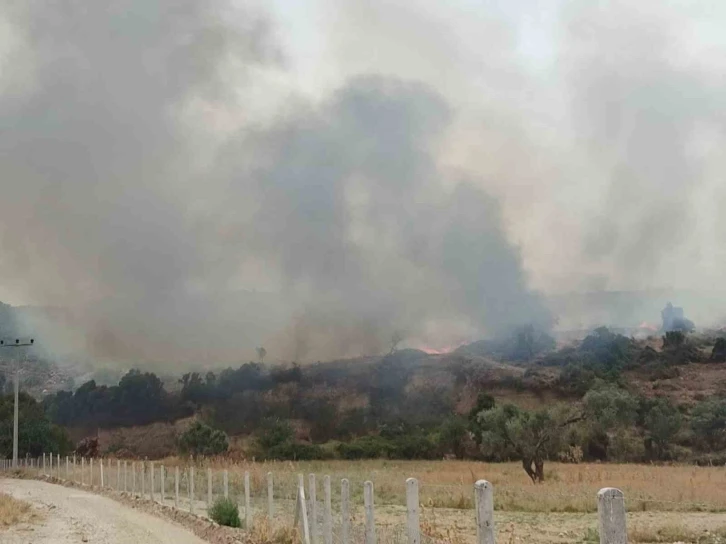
{"x": 321, "y": 509}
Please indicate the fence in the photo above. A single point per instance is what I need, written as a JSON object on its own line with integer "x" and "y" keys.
{"x": 194, "y": 491}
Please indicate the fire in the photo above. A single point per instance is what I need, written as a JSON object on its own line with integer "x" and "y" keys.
{"x": 648, "y": 326}
{"x": 441, "y": 350}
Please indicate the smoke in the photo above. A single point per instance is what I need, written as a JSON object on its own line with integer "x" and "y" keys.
{"x": 170, "y": 186}
{"x": 648, "y": 111}
{"x": 155, "y": 238}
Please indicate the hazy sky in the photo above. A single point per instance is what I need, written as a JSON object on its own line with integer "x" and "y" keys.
{"x": 526, "y": 65}
{"x": 314, "y": 175}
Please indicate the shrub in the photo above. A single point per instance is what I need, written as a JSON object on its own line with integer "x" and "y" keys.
{"x": 366, "y": 447}
{"x": 295, "y": 451}
{"x": 718, "y": 354}
{"x": 276, "y": 440}
{"x": 201, "y": 439}
{"x": 225, "y": 512}
{"x": 273, "y": 432}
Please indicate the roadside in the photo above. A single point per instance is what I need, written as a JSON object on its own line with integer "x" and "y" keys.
{"x": 73, "y": 516}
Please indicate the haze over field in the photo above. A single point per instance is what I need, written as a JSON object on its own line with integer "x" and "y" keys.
{"x": 187, "y": 180}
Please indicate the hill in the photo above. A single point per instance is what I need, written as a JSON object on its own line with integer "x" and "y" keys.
{"x": 417, "y": 405}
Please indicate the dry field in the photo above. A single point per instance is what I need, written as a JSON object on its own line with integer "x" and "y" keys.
{"x": 668, "y": 504}
{"x": 569, "y": 488}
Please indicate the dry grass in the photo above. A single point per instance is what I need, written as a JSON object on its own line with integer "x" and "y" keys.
{"x": 264, "y": 533}
{"x": 448, "y": 484}
{"x": 13, "y": 511}
{"x": 676, "y": 533}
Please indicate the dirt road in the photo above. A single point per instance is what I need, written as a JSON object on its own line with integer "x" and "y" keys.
{"x": 74, "y": 516}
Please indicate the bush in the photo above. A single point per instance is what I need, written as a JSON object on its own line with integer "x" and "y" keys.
{"x": 276, "y": 440}
{"x": 366, "y": 447}
{"x": 273, "y": 432}
{"x": 225, "y": 512}
{"x": 201, "y": 439}
{"x": 295, "y": 451}
{"x": 718, "y": 354}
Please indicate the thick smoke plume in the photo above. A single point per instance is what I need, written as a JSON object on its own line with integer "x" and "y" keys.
{"x": 174, "y": 198}
{"x": 338, "y": 211}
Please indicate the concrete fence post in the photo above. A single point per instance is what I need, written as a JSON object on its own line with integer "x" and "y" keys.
{"x": 133, "y": 477}
{"x": 370, "y": 520}
{"x": 43, "y": 463}
{"x": 209, "y": 489}
{"x": 162, "y": 478}
{"x": 611, "y": 516}
{"x": 191, "y": 490}
{"x": 126, "y": 477}
{"x": 484, "y": 504}
{"x": 328, "y": 515}
{"x": 50, "y": 465}
{"x": 345, "y": 511}
{"x": 59, "y": 466}
{"x": 270, "y": 497}
{"x": 248, "y": 507}
{"x": 412, "y": 516}
{"x": 118, "y": 475}
{"x": 301, "y": 513}
{"x": 90, "y": 471}
{"x": 151, "y": 481}
{"x": 100, "y": 464}
{"x": 225, "y": 483}
{"x": 83, "y": 468}
{"x": 176, "y": 487}
{"x": 68, "y": 469}
{"x": 313, "y": 510}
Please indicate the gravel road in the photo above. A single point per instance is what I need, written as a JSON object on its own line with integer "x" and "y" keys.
{"x": 74, "y": 516}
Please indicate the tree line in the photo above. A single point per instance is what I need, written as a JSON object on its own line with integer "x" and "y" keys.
{"x": 386, "y": 409}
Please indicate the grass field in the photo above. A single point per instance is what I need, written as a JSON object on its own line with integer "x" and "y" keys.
{"x": 569, "y": 488}
{"x": 666, "y": 504}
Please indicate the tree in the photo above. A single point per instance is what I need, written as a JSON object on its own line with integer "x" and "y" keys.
{"x": 201, "y": 439}
{"x": 453, "y": 435}
{"x": 396, "y": 339}
{"x": 673, "y": 339}
{"x": 528, "y": 436}
{"x": 610, "y": 406}
{"x": 608, "y": 409}
{"x": 195, "y": 389}
{"x": 718, "y": 354}
{"x": 36, "y": 434}
{"x": 708, "y": 423}
{"x": 662, "y": 423}
{"x": 261, "y": 353}
{"x": 139, "y": 398}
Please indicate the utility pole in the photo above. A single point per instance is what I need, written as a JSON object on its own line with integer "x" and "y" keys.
{"x": 17, "y": 344}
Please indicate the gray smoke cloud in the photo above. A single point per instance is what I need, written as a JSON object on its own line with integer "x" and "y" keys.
{"x": 643, "y": 106}
{"x": 178, "y": 199}
{"x": 154, "y": 240}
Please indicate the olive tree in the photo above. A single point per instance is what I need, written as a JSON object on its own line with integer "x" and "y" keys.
{"x": 531, "y": 437}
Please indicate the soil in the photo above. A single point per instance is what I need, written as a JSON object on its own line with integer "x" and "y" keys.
{"x": 74, "y": 516}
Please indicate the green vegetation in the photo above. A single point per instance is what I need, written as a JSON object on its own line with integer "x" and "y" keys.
{"x": 36, "y": 434}
{"x": 225, "y": 512}
{"x": 201, "y": 439}
{"x": 276, "y": 440}
{"x": 410, "y": 405}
